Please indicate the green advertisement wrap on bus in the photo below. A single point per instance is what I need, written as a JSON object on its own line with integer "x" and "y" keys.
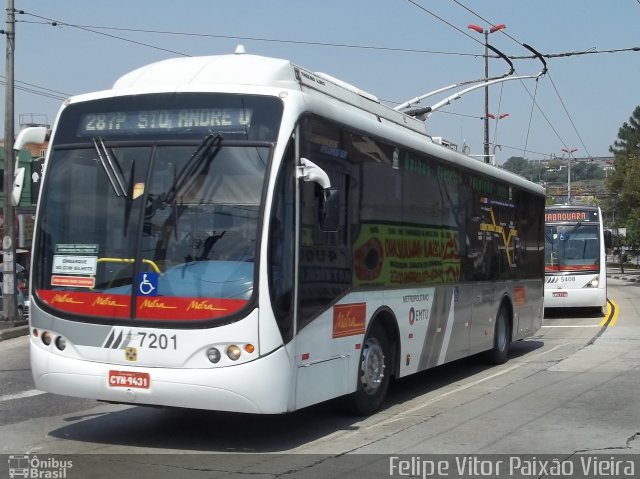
{"x": 401, "y": 255}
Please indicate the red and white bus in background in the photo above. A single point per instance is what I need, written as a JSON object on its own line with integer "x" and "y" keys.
{"x": 575, "y": 257}
{"x": 237, "y": 233}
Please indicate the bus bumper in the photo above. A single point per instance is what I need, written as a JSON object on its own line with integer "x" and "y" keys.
{"x": 575, "y": 298}
{"x": 260, "y": 386}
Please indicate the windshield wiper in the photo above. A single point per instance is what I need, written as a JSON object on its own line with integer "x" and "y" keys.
{"x": 206, "y": 152}
{"x": 109, "y": 165}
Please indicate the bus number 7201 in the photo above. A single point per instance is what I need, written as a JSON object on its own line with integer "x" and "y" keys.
{"x": 158, "y": 341}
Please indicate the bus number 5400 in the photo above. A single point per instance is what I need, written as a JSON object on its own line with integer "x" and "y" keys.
{"x": 158, "y": 341}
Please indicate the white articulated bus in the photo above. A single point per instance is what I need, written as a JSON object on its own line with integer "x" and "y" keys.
{"x": 237, "y": 233}
{"x": 575, "y": 257}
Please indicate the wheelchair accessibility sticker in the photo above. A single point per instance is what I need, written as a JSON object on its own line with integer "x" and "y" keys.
{"x": 147, "y": 284}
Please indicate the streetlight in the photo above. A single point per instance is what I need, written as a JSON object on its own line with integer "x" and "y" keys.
{"x": 493, "y": 29}
{"x": 569, "y": 151}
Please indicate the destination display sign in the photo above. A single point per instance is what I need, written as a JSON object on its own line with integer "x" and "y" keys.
{"x": 164, "y": 121}
{"x": 575, "y": 216}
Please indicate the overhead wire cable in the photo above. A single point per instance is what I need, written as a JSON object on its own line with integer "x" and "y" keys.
{"x": 445, "y": 22}
{"x": 35, "y": 92}
{"x": 526, "y": 141}
{"x": 591, "y": 51}
{"x": 533, "y": 97}
{"x": 569, "y": 116}
{"x": 39, "y": 87}
{"x": 57, "y": 23}
{"x": 256, "y": 39}
{"x": 495, "y": 130}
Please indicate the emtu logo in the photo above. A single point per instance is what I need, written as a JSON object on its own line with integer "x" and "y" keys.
{"x": 118, "y": 339}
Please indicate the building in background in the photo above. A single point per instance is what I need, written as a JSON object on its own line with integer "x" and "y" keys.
{"x": 32, "y": 159}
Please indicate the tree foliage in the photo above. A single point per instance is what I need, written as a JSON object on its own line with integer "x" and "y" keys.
{"x": 555, "y": 171}
{"x": 624, "y": 182}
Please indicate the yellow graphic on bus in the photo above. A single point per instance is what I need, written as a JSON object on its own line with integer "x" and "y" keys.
{"x": 500, "y": 230}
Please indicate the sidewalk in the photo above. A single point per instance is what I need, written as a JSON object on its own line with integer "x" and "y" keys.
{"x": 630, "y": 274}
{"x": 13, "y": 329}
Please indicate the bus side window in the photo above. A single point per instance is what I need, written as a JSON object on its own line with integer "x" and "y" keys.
{"x": 281, "y": 248}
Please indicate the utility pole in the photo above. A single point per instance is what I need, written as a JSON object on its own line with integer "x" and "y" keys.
{"x": 9, "y": 231}
{"x": 487, "y": 158}
{"x": 493, "y": 29}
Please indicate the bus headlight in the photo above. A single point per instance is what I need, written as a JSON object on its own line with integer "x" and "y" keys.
{"x": 233, "y": 352}
{"x": 61, "y": 343}
{"x": 213, "y": 355}
{"x": 594, "y": 282}
{"x": 46, "y": 338}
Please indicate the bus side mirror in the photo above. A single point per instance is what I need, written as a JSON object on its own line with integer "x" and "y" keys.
{"x": 35, "y": 135}
{"x": 608, "y": 239}
{"x": 329, "y": 214}
{"x": 330, "y": 210}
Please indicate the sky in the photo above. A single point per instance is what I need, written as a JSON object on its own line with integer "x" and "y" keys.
{"x": 393, "y": 49}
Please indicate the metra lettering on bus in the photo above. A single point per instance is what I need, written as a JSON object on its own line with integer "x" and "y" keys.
{"x": 65, "y": 298}
{"x": 349, "y": 319}
{"x": 156, "y": 304}
{"x": 108, "y": 301}
{"x": 203, "y": 305}
{"x": 163, "y": 120}
{"x": 87, "y": 302}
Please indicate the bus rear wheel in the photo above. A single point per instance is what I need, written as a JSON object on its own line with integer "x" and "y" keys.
{"x": 374, "y": 373}
{"x": 501, "y": 338}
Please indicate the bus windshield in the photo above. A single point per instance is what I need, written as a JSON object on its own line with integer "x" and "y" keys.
{"x": 161, "y": 228}
{"x": 572, "y": 248}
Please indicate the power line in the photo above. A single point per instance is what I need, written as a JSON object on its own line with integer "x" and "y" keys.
{"x": 445, "y": 22}
{"x": 569, "y": 116}
{"x": 41, "y": 87}
{"x": 56, "y": 23}
{"x": 35, "y": 92}
{"x": 590, "y": 51}
{"x": 550, "y": 79}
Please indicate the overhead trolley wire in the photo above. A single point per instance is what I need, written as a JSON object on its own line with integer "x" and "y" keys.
{"x": 533, "y": 97}
{"x": 56, "y": 23}
{"x": 90, "y": 28}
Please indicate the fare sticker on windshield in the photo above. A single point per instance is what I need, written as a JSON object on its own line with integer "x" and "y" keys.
{"x": 80, "y": 249}
{"x": 77, "y": 265}
{"x": 73, "y": 281}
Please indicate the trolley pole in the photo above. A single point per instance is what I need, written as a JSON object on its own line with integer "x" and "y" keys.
{"x": 8, "y": 234}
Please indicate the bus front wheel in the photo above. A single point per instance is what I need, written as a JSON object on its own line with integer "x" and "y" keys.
{"x": 374, "y": 372}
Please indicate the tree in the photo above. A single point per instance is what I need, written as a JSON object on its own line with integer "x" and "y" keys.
{"x": 517, "y": 165}
{"x": 624, "y": 182}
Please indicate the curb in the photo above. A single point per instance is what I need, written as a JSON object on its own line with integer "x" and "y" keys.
{"x": 632, "y": 279}
{"x": 14, "y": 332}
